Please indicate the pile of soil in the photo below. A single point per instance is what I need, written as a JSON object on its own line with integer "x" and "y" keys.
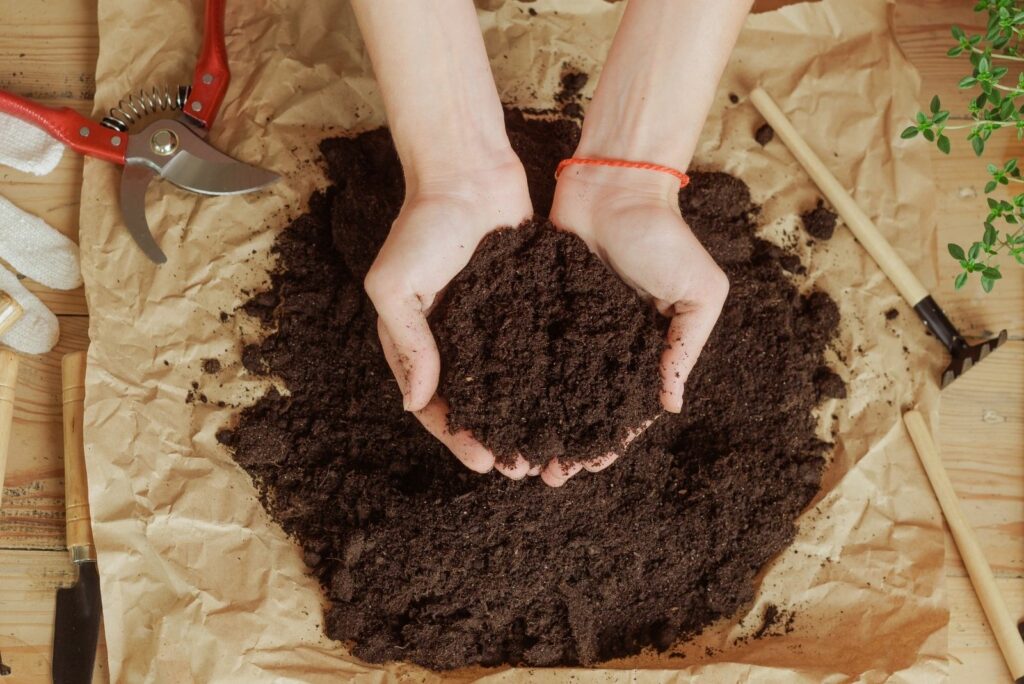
{"x": 545, "y": 352}
{"x": 424, "y": 561}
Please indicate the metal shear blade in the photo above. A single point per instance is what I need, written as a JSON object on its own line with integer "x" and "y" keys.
{"x": 177, "y": 153}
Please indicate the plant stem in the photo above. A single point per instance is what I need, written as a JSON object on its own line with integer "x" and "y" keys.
{"x": 1010, "y": 58}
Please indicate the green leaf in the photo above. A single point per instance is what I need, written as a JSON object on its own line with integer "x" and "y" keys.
{"x": 967, "y": 81}
{"x": 943, "y": 144}
{"x": 940, "y": 117}
{"x": 979, "y": 146}
{"x": 992, "y": 273}
{"x": 990, "y": 186}
{"x": 974, "y": 251}
{"x": 990, "y": 235}
{"x": 955, "y": 51}
{"x": 935, "y": 104}
{"x": 957, "y": 32}
{"x": 983, "y": 65}
{"x": 960, "y": 281}
{"x": 955, "y": 250}
{"x": 928, "y": 134}
{"x": 987, "y": 283}
{"x": 909, "y": 132}
{"x": 921, "y": 118}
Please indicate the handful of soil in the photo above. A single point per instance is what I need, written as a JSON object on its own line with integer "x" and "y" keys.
{"x": 423, "y": 561}
{"x": 545, "y": 352}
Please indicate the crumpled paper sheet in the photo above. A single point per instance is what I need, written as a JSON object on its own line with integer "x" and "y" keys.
{"x": 199, "y": 584}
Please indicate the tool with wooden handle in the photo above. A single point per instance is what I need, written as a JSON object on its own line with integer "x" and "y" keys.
{"x": 964, "y": 355}
{"x": 8, "y": 381}
{"x": 10, "y": 312}
{"x": 77, "y": 624}
{"x": 982, "y": 579}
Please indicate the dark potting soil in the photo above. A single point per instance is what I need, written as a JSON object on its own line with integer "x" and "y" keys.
{"x": 427, "y": 562}
{"x": 820, "y": 222}
{"x": 545, "y": 352}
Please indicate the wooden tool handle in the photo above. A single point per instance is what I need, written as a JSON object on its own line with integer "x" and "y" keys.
{"x": 978, "y": 569}
{"x": 10, "y": 311}
{"x": 8, "y": 380}
{"x": 865, "y": 231}
{"x": 76, "y": 485}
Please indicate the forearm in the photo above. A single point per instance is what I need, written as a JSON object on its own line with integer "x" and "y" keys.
{"x": 660, "y": 79}
{"x": 432, "y": 68}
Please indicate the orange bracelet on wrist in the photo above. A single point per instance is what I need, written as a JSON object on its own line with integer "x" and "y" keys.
{"x": 684, "y": 180}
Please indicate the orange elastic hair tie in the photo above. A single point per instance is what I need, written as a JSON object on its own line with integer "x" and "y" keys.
{"x": 684, "y": 180}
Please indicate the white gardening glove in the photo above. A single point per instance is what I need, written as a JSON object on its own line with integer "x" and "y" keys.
{"x": 29, "y": 245}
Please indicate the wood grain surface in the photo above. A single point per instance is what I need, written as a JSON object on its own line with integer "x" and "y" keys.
{"x": 48, "y": 51}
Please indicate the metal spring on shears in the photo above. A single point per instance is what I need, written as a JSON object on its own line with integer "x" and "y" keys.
{"x": 137, "y": 106}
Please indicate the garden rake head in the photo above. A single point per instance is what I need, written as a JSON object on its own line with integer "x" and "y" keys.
{"x": 964, "y": 356}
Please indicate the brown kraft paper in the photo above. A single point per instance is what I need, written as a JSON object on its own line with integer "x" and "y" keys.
{"x": 200, "y": 585}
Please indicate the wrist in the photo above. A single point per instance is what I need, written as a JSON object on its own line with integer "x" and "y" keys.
{"x": 604, "y": 182}
{"x": 466, "y": 174}
{"x": 451, "y": 145}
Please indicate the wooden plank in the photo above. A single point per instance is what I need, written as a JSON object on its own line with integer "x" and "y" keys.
{"x": 974, "y": 654}
{"x": 28, "y": 585}
{"x": 980, "y": 437}
{"x": 48, "y": 52}
{"x": 33, "y": 503}
{"x": 922, "y": 29}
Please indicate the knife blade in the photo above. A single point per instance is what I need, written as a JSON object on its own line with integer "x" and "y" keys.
{"x": 77, "y": 623}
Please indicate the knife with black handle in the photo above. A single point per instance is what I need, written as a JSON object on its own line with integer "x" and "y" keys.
{"x": 77, "y": 624}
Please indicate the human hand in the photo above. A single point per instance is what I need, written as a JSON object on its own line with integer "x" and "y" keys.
{"x": 630, "y": 218}
{"x": 441, "y": 223}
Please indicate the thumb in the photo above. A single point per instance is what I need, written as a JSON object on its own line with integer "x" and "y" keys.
{"x": 687, "y": 333}
{"x": 411, "y": 352}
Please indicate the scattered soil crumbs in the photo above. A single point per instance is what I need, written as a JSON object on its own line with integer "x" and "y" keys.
{"x": 427, "y": 562}
{"x": 568, "y": 96}
{"x": 892, "y": 314}
{"x": 820, "y": 222}
{"x": 211, "y": 366}
{"x": 764, "y": 135}
{"x": 545, "y": 352}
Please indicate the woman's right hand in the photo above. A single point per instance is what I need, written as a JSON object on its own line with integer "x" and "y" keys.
{"x": 441, "y": 223}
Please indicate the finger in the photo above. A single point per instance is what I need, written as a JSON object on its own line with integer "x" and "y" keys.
{"x": 472, "y": 454}
{"x": 599, "y": 464}
{"x": 636, "y": 432}
{"x": 687, "y": 333}
{"x": 434, "y": 417}
{"x": 535, "y": 471}
{"x": 517, "y": 471}
{"x": 555, "y": 474}
{"x": 415, "y": 360}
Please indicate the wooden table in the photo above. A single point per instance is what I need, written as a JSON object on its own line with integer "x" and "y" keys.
{"x": 48, "y": 51}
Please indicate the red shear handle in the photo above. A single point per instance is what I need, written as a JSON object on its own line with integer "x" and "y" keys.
{"x": 210, "y": 81}
{"x": 71, "y": 128}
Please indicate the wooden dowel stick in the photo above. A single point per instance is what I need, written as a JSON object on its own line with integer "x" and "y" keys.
{"x": 982, "y": 579}
{"x": 76, "y": 485}
{"x": 8, "y": 381}
{"x": 863, "y": 228}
